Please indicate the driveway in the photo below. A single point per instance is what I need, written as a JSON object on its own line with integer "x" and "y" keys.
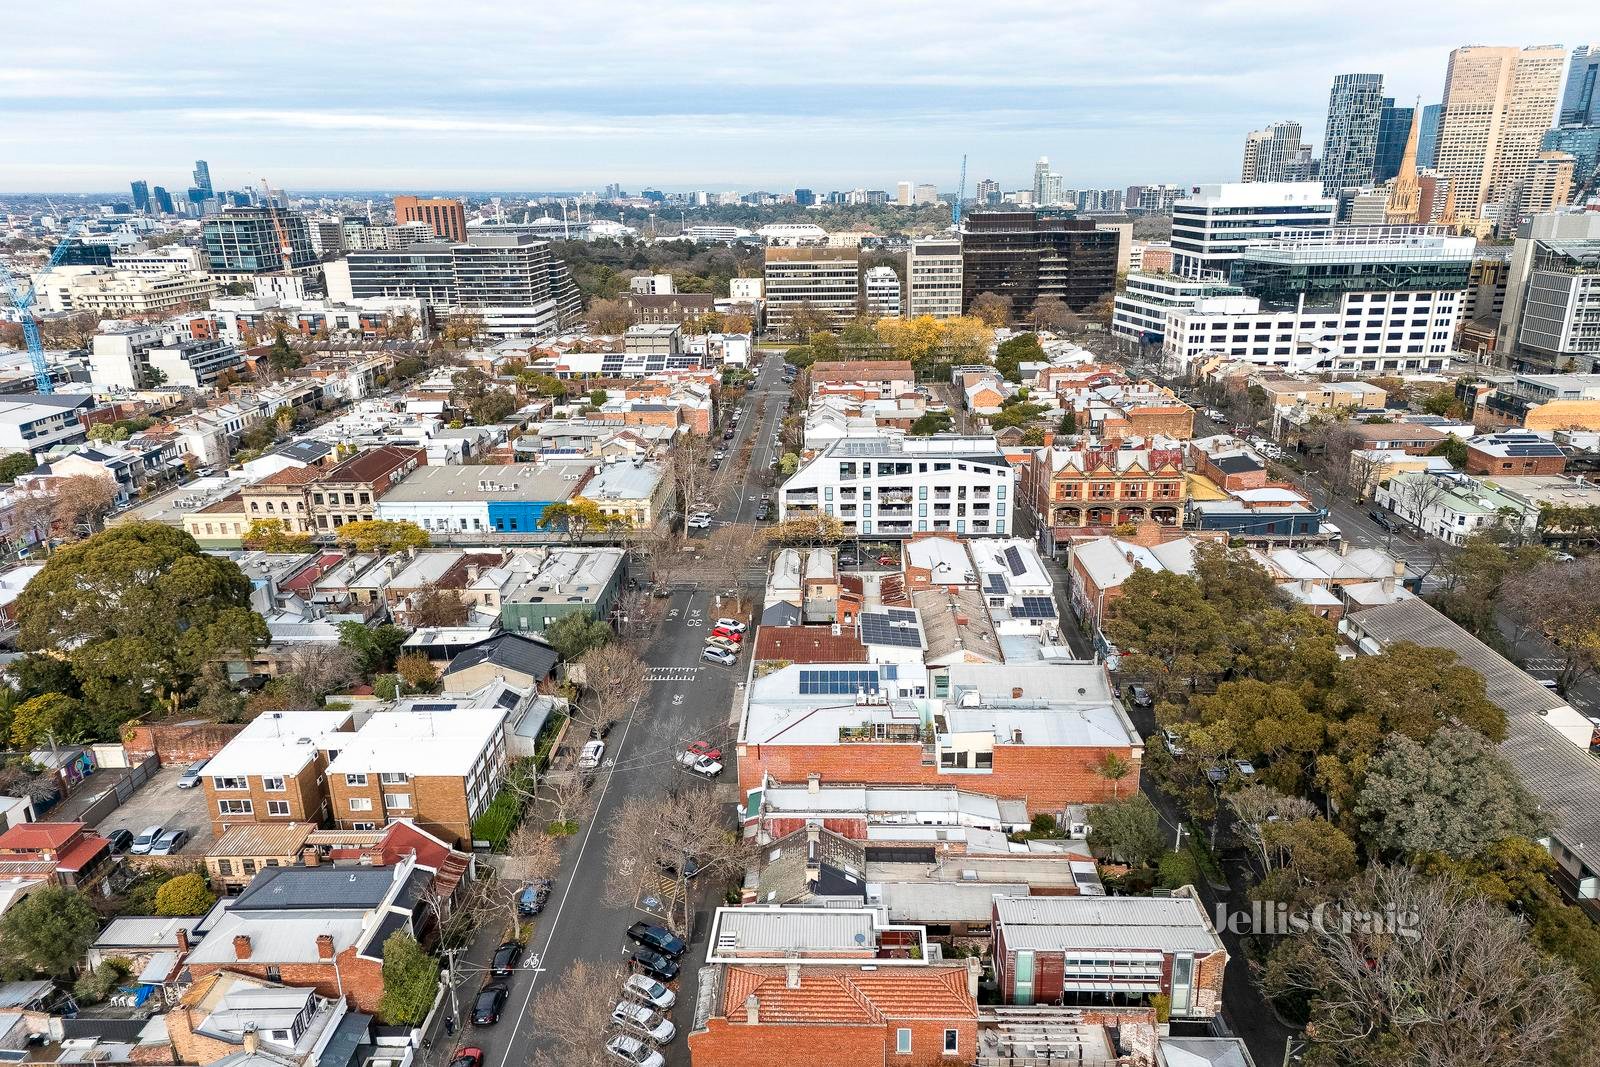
{"x": 160, "y": 801}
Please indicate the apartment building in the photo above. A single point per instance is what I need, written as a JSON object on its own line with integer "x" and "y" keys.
{"x": 1026, "y": 256}
{"x": 895, "y": 487}
{"x": 1277, "y": 154}
{"x": 272, "y": 770}
{"x": 1551, "y": 316}
{"x": 243, "y": 242}
{"x": 882, "y": 288}
{"x": 445, "y": 217}
{"x": 36, "y": 422}
{"x": 933, "y": 279}
{"x": 1214, "y": 223}
{"x": 126, "y": 355}
{"x": 116, "y": 293}
{"x": 349, "y": 491}
{"x": 1140, "y": 309}
{"x": 827, "y": 280}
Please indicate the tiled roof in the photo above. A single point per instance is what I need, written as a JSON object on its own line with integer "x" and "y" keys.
{"x": 862, "y": 370}
{"x": 290, "y": 476}
{"x": 849, "y": 995}
{"x": 39, "y": 835}
{"x": 808, "y": 644}
{"x": 372, "y": 464}
{"x": 229, "y": 504}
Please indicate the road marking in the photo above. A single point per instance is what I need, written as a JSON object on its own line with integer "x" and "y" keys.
{"x": 671, "y": 674}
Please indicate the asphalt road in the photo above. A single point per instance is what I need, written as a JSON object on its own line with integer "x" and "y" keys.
{"x": 689, "y": 699}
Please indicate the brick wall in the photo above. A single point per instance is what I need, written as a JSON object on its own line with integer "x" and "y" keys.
{"x": 727, "y": 1043}
{"x": 363, "y": 978}
{"x": 1479, "y": 462}
{"x": 182, "y": 742}
{"x": 303, "y": 793}
{"x": 1176, "y": 422}
{"x": 438, "y": 804}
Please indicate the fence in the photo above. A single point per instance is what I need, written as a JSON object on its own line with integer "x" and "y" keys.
{"x": 118, "y": 795}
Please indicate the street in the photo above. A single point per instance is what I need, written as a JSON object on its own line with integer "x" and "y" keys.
{"x": 688, "y": 699}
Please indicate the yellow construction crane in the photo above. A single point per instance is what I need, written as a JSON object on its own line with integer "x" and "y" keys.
{"x": 285, "y": 248}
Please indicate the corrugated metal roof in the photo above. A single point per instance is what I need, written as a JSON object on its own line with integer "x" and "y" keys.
{"x": 797, "y": 929}
{"x": 1166, "y": 924}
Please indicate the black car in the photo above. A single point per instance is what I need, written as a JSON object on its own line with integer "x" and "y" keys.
{"x": 486, "y": 1009}
{"x": 762, "y": 511}
{"x": 658, "y": 938}
{"x": 661, "y": 968}
{"x": 1382, "y": 520}
{"x": 121, "y": 840}
{"x": 531, "y": 900}
{"x": 505, "y": 960}
{"x": 690, "y": 868}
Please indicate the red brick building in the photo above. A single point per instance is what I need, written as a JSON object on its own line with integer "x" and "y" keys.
{"x": 1095, "y": 488}
{"x": 65, "y": 853}
{"x": 447, "y": 217}
{"x": 1514, "y": 453}
{"x": 349, "y": 492}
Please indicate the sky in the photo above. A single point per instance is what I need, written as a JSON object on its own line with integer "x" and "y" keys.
{"x": 468, "y": 95}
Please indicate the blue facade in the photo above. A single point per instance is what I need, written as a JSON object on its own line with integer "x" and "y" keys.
{"x": 516, "y": 516}
{"x": 1428, "y": 135}
{"x": 1259, "y": 524}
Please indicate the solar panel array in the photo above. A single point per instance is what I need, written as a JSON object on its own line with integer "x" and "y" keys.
{"x": 1035, "y": 607}
{"x": 837, "y": 683}
{"x": 1541, "y": 449}
{"x": 1014, "y": 560}
{"x": 879, "y": 629}
{"x": 902, "y": 615}
{"x": 995, "y": 582}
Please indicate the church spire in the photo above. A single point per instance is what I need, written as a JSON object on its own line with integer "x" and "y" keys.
{"x": 1405, "y": 192}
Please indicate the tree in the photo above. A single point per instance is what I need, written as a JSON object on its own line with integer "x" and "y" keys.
{"x": 141, "y": 610}
{"x": 1126, "y": 831}
{"x": 83, "y": 500}
{"x": 992, "y": 308}
{"x": 491, "y": 408}
{"x": 1559, "y": 600}
{"x": 463, "y": 329}
{"x": 37, "y": 719}
{"x": 805, "y": 319}
{"x": 432, "y": 606}
{"x": 1069, "y": 423}
{"x": 281, "y": 356}
{"x": 817, "y": 528}
{"x": 1256, "y": 808}
{"x": 931, "y": 423}
{"x": 613, "y": 680}
{"x": 1453, "y": 794}
{"x": 1312, "y": 856}
{"x": 1475, "y": 577}
{"x": 610, "y": 316}
{"x": 1052, "y": 313}
{"x": 576, "y": 633}
{"x": 1416, "y": 691}
{"x": 1460, "y": 984}
{"x": 15, "y": 464}
{"x": 531, "y": 854}
{"x": 375, "y": 647}
{"x": 314, "y": 670}
{"x": 1170, "y": 636}
{"x": 410, "y": 981}
{"x": 417, "y": 671}
{"x": 272, "y": 535}
{"x": 653, "y": 836}
{"x": 48, "y": 932}
{"x": 35, "y": 515}
{"x": 1113, "y": 768}
{"x": 573, "y": 1019}
{"x": 580, "y": 517}
{"x": 382, "y": 535}
{"x": 1015, "y": 351}
{"x": 187, "y": 894}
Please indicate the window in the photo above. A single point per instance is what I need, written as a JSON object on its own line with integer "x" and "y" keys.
{"x": 249, "y": 866}
{"x": 235, "y": 807}
{"x": 273, "y": 974}
{"x": 952, "y": 1041}
{"x": 397, "y": 800}
{"x": 360, "y": 803}
{"x": 394, "y": 778}
{"x": 272, "y": 785}
{"x": 363, "y": 826}
{"x": 355, "y": 779}
{"x": 230, "y": 783}
{"x": 225, "y": 868}
{"x": 902, "y": 1041}
{"x": 277, "y": 807}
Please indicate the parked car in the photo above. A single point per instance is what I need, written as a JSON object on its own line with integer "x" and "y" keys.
{"x": 169, "y": 842}
{"x": 658, "y": 938}
{"x": 1174, "y": 746}
{"x": 731, "y": 624}
{"x": 706, "y": 768}
{"x": 736, "y": 636}
{"x": 471, "y": 1056}
{"x": 1383, "y": 521}
{"x": 534, "y": 895}
{"x": 599, "y": 730}
{"x": 703, "y": 748}
{"x": 650, "y": 991}
{"x": 724, "y": 644}
{"x": 504, "y": 964}
{"x": 654, "y": 964}
{"x": 719, "y": 655}
{"x": 691, "y": 867}
{"x": 700, "y": 521}
{"x": 1244, "y": 768}
{"x": 763, "y": 512}
{"x": 146, "y": 840}
{"x": 1141, "y": 696}
{"x": 491, "y": 998}
{"x": 593, "y": 752}
{"x": 631, "y": 1050}
{"x": 634, "y": 1016}
{"x": 191, "y": 774}
{"x": 727, "y": 435}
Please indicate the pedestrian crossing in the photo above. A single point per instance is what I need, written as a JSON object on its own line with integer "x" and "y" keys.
{"x": 670, "y": 674}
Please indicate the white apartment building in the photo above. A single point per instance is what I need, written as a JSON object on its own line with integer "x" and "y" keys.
{"x": 163, "y": 260}
{"x": 895, "y": 487}
{"x": 744, "y": 289}
{"x": 882, "y": 286}
{"x": 111, "y": 293}
{"x": 1139, "y": 311}
{"x": 127, "y": 356}
{"x": 933, "y": 279}
{"x": 651, "y": 285}
{"x": 828, "y": 279}
{"x": 33, "y": 422}
{"x": 1211, "y": 225}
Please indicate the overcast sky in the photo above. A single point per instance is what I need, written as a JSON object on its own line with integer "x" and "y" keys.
{"x": 476, "y": 95}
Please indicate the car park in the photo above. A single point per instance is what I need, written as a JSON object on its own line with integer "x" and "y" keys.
{"x": 146, "y": 840}
{"x": 593, "y": 752}
{"x": 631, "y": 1015}
{"x": 471, "y": 1056}
{"x": 505, "y": 959}
{"x": 650, "y": 991}
{"x": 662, "y": 968}
{"x": 727, "y": 633}
{"x": 531, "y": 900}
{"x": 718, "y": 655}
{"x": 191, "y": 774}
{"x": 491, "y": 999}
{"x": 121, "y": 840}
{"x": 169, "y": 842}
{"x": 731, "y": 624}
{"x": 626, "y": 1049}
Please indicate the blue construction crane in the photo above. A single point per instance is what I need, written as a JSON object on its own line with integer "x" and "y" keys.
{"x": 961, "y": 194}
{"x": 23, "y": 299}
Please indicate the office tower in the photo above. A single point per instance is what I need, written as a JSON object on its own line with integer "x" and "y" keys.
{"x": 1211, "y": 225}
{"x": 1580, "y": 102}
{"x": 244, "y": 240}
{"x": 1582, "y": 143}
{"x": 1552, "y": 302}
{"x": 903, "y": 193}
{"x": 163, "y": 200}
{"x": 141, "y": 196}
{"x": 926, "y": 194}
{"x": 1548, "y": 183}
{"x": 882, "y": 288}
{"x": 1428, "y": 135}
{"x": 1394, "y": 127}
{"x": 202, "y": 178}
{"x": 805, "y": 197}
{"x": 1025, "y": 256}
{"x": 827, "y": 279}
{"x": 1277, "y": 154}
{"x": 1152, "y": 199}
{"x": 1041, "y": 179}
{"x": 1350, "y": 148}
{"x": 933, "y": 279}
{"x": 448, "y": 218}
{"x": 988, "y": 192}
{"x": 1498, "y": 103}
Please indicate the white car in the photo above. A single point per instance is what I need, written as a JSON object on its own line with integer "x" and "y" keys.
{"x": 650, "y": 991}
{"x": 592, "y": 754}
{"x": 631, "y": 1050}
{"x": 640, "y": 1019}
{"x": 700, "y": 521}
{"x": 730, "y": 624}
{"x": 719, "y": 655}
{"x": 701, "y": 765}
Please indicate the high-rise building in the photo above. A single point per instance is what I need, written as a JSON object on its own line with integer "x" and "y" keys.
{"x": 1582, "y": 143}
{"x": 1041, "y": 179}
{"x": 1350, "y": 147}
{"x": 825, "y": 279}
{"x": 1580, "y": 100}
{"x": 933, "y": 279}
{"x": 988, "y": 193}
{"x": 141, "y": 196}
{"x": 1277, "y": 154}
{"x": 1498, "y": 103}
{"x": 903, "y": 192}
{"x": 1053, "y": 192}
{"x": 1394, "y": 126}
{"x": 1102, "y": 201}
{"x": 202, "y": 178}
{"x": 1152, "y": 199}
{"x": 1025, "y": 257}
{"x": 163, "y": 200}
{"x": 1548, "y": 184}
{"x": 244, "y": 240}
{"x": 882, "y": 287}
{"x": 448, "y": 218}
{"x": 1428, "y": 135}
{"x": 1211, "y": 226}
{"x": 926, "y": 194}
{"x": 805, "y": 197}
{"x": 1552, "y": 305}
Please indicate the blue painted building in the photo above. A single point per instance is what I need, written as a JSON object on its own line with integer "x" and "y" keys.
{"x": 479, "y": 498}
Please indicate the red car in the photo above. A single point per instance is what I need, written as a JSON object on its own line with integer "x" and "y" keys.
{"x": 728, "y": 635}
{"x": 471, "y": 1056}
{"x": 888, "y": 561}
{"x": 704, "y": 748}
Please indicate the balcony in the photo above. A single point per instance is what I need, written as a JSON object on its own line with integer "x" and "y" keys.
{"x": 802, "y": 497}
{"x": 894, "y": 510}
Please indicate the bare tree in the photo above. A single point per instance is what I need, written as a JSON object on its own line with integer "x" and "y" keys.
{"x": 1418, "y": 494}
{"x": 805, "y": 319}
{"x": 654, "y": 842}
{"x": 689, "y": 466}
{"x": 314, "y": 671}
{"x": 610, "y": 316}
{"x": 1560, "y": 600}
{"x": 566, "y": 796}
{"x": 83, "y": 500}
{"x": 35, "y": 513}
{"x": 574, "y": 1013}
{"x": 1256, "y": 807}
{"x": 1052, "y": 313}
{"x": 532, "y": 853}
{"x": 432, "y": 606}
{"x": 613, "y": 680}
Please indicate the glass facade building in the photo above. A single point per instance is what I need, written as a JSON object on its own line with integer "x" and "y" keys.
{"x": 1025, "y": 256}
{"x": 1323, "y": 269}
{"x": 1350, "y": 149}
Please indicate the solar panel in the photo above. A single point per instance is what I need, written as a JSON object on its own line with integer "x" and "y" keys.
{"x": 837, "y": 683}
{"x": 879, "y": 629}
{"x": 902, "y": 615}
{"x": 433, "y": 707}
{"x": 995, "y": 583}
{"x": 1014, "y": 560}
{"x": 1034, "y": 607}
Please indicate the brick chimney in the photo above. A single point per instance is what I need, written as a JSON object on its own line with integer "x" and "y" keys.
{"x": 252, "y": 1041}
{"x": 183, "y": 942}
{"x": 1049, "y": 438}
{"x": 312, "y": 857}
{"x": 241, "y": 946}
{"x": 325, "y": 946}
{"x": 752, "y": 1010}
{"x": 974, "y": 970}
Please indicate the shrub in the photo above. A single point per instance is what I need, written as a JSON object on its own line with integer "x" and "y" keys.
{"x": 187, "y": 894}
{"x": 1178, "y": 869}
{"x": 94, "y": 986}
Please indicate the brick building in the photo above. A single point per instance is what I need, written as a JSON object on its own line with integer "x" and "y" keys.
{"x": 281, "y": 496}
{"x": 448, "y": 218}
{"x": 1227, "y": 464}
{"x": 272, "y": 770}
{"x": 63, "y": 853}
{"x": 1515, "y": 453}
{"x": 668, "y": 309}
{"x": 1096, "y": 487}
{"x": 349, "y": 491}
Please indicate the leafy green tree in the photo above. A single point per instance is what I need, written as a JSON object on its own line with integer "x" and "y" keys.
{"x": 272, "y": 535}
{"x": 51, "y": 714}
{"x": 1069, "y": 422}
{"x": 282, "y": 355}
{"x": 382, "y": 535}
{"x": 931, "y": 423}
{"x": 187, "y": 894}
{"x": 1168, "y": 633}
{"x": 573, "y": 635}
{"x": 1416, "y": 691}
{"x": 1015, "y": 351}
{"x": 15, "y": 465}
{"x": 140, "y": 610}
{"x": 580, "y": 517}
{"x": 410, "y": 981}
{"x": 491, "y": 408}
{"x": 1016, "y": 413}
{"x": 1453, "y": 449}
{"x": 36, "y": 673}
{"x": 375, "y": 646}
{"x": 1311, "y": 857}
{"x": 1126, "y": 831}
{"x": 48, "y": 932}
{"x": 1178, "y": 869}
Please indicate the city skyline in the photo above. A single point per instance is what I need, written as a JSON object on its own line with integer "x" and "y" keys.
{"x": 697, "y": 96}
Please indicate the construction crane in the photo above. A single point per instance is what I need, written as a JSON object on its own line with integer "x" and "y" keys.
{"x": 961, "y": 193}
{"x": 23, "y": 299}
{"x": 285, "y": 248}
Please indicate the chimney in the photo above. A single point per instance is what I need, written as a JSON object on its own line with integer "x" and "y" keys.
{"x": 1344, "y": 547}
{"x": 813, "y": 783}
{"x": 183, "y": 942}
{"x": 792, "y": 976}
{"x": 752, "y": 1010}
{"x": 252, "y": 1041}
{"x": 974, "y": 969}
{"x": 241, "y": 946}
{"x": 1306, "y": 584}
{"x": 312, "y": 857}
{"x": 1049, "y": 438}
{"x": 472, "y": 573}
{"x": 1399, "y": 568}
{"x": 1016, "y": 692}
{"x": 324, "y": 946}
{"x": 1388, "y": 584}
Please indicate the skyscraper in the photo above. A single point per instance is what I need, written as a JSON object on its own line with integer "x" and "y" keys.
{"x": 202, "y": 178}
{"x": 1276, "y": 154}
{"x": 988, "y": 192}
{"x": 1026, "y": 256}
{"x": 1350, "y": 148}
{"x": 1394, "y": 125}
{"x": 1580, "y": 103}
{"x": 163, "y": 200}
{"x": 1428, "y": 135}
{"x": 804, "y": 197}
{"x": 448, "y": 218}
{"x": 141, "y": 196}
{"x": 1498, "y": 103}
{"x": 1041, "y": 178}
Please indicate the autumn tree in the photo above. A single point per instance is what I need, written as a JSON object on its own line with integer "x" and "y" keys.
{"x": 49, "y": 715}
{"x": 273, "y": 535}
{"x": 610, "y": 316}
{"x": 992, "y": 308}
{"x": 433, "y": 606}
{"x": 82, "y": 501}
{"x": 581, "y": 517}
{"x": 382, "y": 535}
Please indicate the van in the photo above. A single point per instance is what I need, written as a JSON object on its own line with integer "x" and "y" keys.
{"x": 592, "y": 754}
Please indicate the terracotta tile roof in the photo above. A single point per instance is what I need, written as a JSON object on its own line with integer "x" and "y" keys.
{"x": 229, "y": 504}
{"x": 372, "y": 464}
{"x": 809, "y": 644}
{"x": 849, "y": 995}
{"x": 34, "y": 836}
{"x": 80, "y": 855}
{"x": 862, "y": 370}
{"x": 290, "y": 476}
